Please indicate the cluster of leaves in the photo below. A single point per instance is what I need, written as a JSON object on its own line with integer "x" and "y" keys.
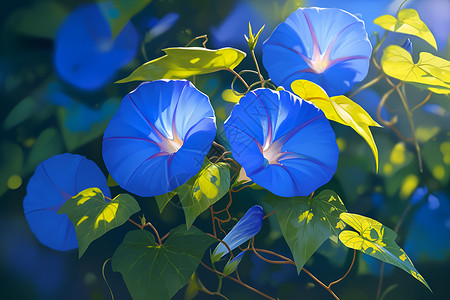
{"x": 159, "y": 268}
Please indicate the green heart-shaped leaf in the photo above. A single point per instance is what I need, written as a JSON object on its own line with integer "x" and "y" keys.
{"x": 306, "y": 223}
{"x": 377, "y": 240}
{"x": 157, "y": 272}
{"x": 92, "y": 216}
{"x": 183, "y": 62}
{"x": 408, "y": 22}
{"x": 431, "y": 72}
{"x": 339, "y": 109}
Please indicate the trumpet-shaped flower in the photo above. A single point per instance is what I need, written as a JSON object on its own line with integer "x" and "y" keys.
{"x": 56, "y": 180}
{"x": 284, "y": 143}
{"x": 327, "y": 46}
{"x": 159, "y": 137}
{"x": 245, "y": 229}
{"x": 232, "y": 265}
{"x": 86, "y": 54}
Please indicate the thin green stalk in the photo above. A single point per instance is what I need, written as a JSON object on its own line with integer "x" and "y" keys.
{"x": 261, "y": 78}
{"x": 104, "y": 278}
{"x": 365, "y": 86}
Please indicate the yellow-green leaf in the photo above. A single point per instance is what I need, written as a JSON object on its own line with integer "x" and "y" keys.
{"x": 339, "y": 109}
{"x": 306, "y": 223}
{"x": 183, "y": 62}
{"x": 430, "y": 71}
{"x": 408, "y": 22}
{"x": 376, "y": 240}
{"x": 204, "y": 189}
{"x": 119, "y": 12}
{"x": 92, "y": 216}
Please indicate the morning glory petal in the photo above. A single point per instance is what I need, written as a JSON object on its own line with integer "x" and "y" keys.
{"x": 232, "y": 265}
{"x": 159, "y": 137}
{"x": 407, "y": 45}
{"x": 328, "y": 46}
{"x": 55, "y": 181}
{"x": 86, "y": 54}
{"x": 245, "y": 229}
{"x": 285, "y": 144}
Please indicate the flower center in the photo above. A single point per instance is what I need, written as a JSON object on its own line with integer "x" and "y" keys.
{"x": 272, "y": 152}
{"x": 319, "y": 62}
{"x": 170, "y": 145}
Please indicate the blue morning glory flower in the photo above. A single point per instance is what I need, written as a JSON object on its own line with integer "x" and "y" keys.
{"x": 367, "y": 10}
{"x": 407, "y": 45}
{"x": 86, "y": 55}
{"x": 232, "y": 265}
{"x": 56, "y": 180}
{"x": 159, "y": 137}
{"x": 284, "y": 144}
{"x": 245, "y": 229}
{"x": 327, "y": 46}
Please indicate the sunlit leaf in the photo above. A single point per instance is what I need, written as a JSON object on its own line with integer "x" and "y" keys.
{"x": 377, "y": 240}
{"x": 92, "y": 216}
{"x": 408, "y": 22}
{"x": 429, "y": 72}
{"x": 162, "y": 200}
{"x": 339, "y": 109}
{"x": 203, "y": 190}
{"x": 157, "y": 272}
{"x": 119, "y": 12}
{"x": 306, "y": 223}
{"x": 183, "y": 62}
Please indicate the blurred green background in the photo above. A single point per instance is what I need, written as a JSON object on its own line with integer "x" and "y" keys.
{"x": 42, "y": 115}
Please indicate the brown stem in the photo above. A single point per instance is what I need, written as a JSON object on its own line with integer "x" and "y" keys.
{"x": 219, "y": 146}
{"x": 228, "y": 247}
{"x": 222, "y": 156}
{"x": 423, "y": 102}
{"x": 240, "y": 189}
{"x": 165, "y": 237}
{"x": 227, "y": 207}
{"x": 236, "y": 75}
{"x": 154, "y": 229}
{"x": 390, "y": 124}
{"x": 266, "y": 216}
{"x": 238, "y": 281}
{"x": 411, "y": 121}
{"x": 212, "y": 219}
{"x": 348, "y": 271}
{"x": 365, "y": 86}
{"x": 321, "y": 283}
{"x": 289, "y": 261}
{"x": 199, "y": 37}
{"x": 138, "y": 225}
{"x": 204, "y": 289}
